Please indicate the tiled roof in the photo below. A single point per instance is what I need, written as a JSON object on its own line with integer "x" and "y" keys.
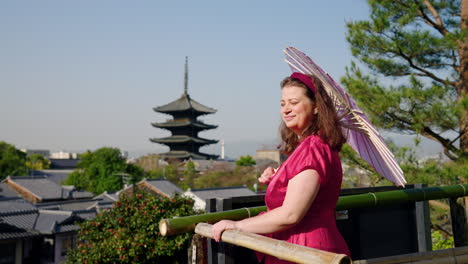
{"x": 47, "y": 220}
{"x": 164, "y": 186}
{"x": 19, "y": 219}
{"x": 181, "y": 154}
{"x": 70, "y": 192}
{"x": 184, "y": 103}
{"x": 57, "y": 176}
{"x": 15, "y": 205}
{"x": 6, "y": 191}
{"x": 88, "y": 215}
{"x": 8, "y": 232}
{"x": 107, "y": 197}
{"x": 66, "y": 228}
{"x": 72, "y": 205}
{"x": 183, "y": 139}
{"x": 45, "y": 189}
{"x": 40, "y": 186}
{"x": 51, "y": 221}
{"x": 42, "y": 221}
{"x": 76, "y": 194}
{"x": 226, "y": 192}
{"x": 184, "y": 123}
{"x": 23, "y": 220}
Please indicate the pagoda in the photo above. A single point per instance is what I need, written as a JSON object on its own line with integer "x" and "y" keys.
{"x": 184, "y": 143}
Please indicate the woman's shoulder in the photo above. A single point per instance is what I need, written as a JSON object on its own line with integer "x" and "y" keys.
{"x": 315, "y": 141}
{"x": 312, "y": 144}
{"x": 313, "y": 153}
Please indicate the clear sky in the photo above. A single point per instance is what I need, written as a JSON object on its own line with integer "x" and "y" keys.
{"x": 77, "y": 75}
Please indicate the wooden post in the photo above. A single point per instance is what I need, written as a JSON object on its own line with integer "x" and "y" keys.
{"x": 225, "y": 253}
{"x": 212, "y": 246}
{"x": 225, "y": 250}
{"x": 423, "y": 224}
{"x": 197, "y": 251}
{"x": 280, "y": 249}
{"x": 465, "y": 200}
{"x": 459, "y": 222}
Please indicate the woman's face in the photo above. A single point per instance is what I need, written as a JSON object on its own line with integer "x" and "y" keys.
{"x": 297, "y": 110}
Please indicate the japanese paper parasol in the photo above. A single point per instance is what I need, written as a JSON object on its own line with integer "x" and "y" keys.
{"x": 359, "y": 132}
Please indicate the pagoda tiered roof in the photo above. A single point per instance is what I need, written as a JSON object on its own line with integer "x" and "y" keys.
{"x": 183, "y": 139}
{"x": 184, "y": 142}
{"x": 183, "y": 104}
{"x": 182, "y": 154}
{"x": 184, "y": 123}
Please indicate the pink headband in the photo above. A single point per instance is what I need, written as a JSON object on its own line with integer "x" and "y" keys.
{"x": 305, "y": 79}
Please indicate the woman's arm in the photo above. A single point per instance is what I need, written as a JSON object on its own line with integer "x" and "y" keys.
{"x": 300, "y": 194}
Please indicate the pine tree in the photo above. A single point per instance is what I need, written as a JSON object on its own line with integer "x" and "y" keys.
{"x": 417, "y": 59}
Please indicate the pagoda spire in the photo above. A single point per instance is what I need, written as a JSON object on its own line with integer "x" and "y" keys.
{"x": 186, "y": 76}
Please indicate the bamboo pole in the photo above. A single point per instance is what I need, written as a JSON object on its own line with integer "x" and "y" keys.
{"x": 187, "y": 224}
{"x": 401, "y": 196}
{"x": 447, "y": 256}
{"x": 277, "y": 248}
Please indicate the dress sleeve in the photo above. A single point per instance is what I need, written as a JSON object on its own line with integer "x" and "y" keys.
{"x": 311, "y": 154}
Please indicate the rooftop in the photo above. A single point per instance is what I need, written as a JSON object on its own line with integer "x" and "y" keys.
{"x": 182, "y": 154}
{"x": 55, "y": 175}
{"x": 161, "y": 186}
{"x": 165, "y": 186}
{"x": 222, "y": 192}
{"x": 184, "y": 103}
{"x": 20, "y": 219}
{"x": 7, "y": 191}
{"x": 44, "y": 189}
{"x": 183, "y": 139}
{"x": 184, "y": 123}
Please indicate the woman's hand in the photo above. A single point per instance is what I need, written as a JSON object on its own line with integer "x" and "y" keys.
{"x": 218, "y": 228}
{"x": 265, "y": 178}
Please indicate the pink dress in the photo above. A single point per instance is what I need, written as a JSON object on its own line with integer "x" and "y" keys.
{"x": 318, "y": 227}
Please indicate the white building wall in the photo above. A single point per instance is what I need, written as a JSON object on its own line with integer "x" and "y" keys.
{"x": 199, "y": 203}
{"x": 272, "y": 154}
{"x": 60, "y": 155}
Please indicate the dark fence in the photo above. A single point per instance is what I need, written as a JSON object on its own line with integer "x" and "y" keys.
{"x": 370, "y": 232}
{"x": 225, "y": 253}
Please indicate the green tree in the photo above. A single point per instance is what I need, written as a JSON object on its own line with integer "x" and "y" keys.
{"x": 171, "y": 173}
{"x": 103, "y": 170}
{"x": 189, "y": 174}
{"x": 135, "y": 173}
{"x": 245, "y": 161}
{"x": 417, "y": 58}
{"x": 440, "y": 242}
{"x": 155, "y": 174}
{"x": 430, "y": 172}
{"x": 129, "y": 232}
{"x": 12, "y": 161}
{"x": 37, "y": 162}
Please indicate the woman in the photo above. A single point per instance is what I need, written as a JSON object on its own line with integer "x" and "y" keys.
{"x": 302, "y": 194}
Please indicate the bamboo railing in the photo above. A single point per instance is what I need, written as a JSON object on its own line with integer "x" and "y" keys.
{"x": 446, "y": 256}
{"x": 277, "y": 248}
{"x": 187, "y": 224}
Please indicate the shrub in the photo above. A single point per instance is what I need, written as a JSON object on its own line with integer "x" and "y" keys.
{"x": 129, "y": 232}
